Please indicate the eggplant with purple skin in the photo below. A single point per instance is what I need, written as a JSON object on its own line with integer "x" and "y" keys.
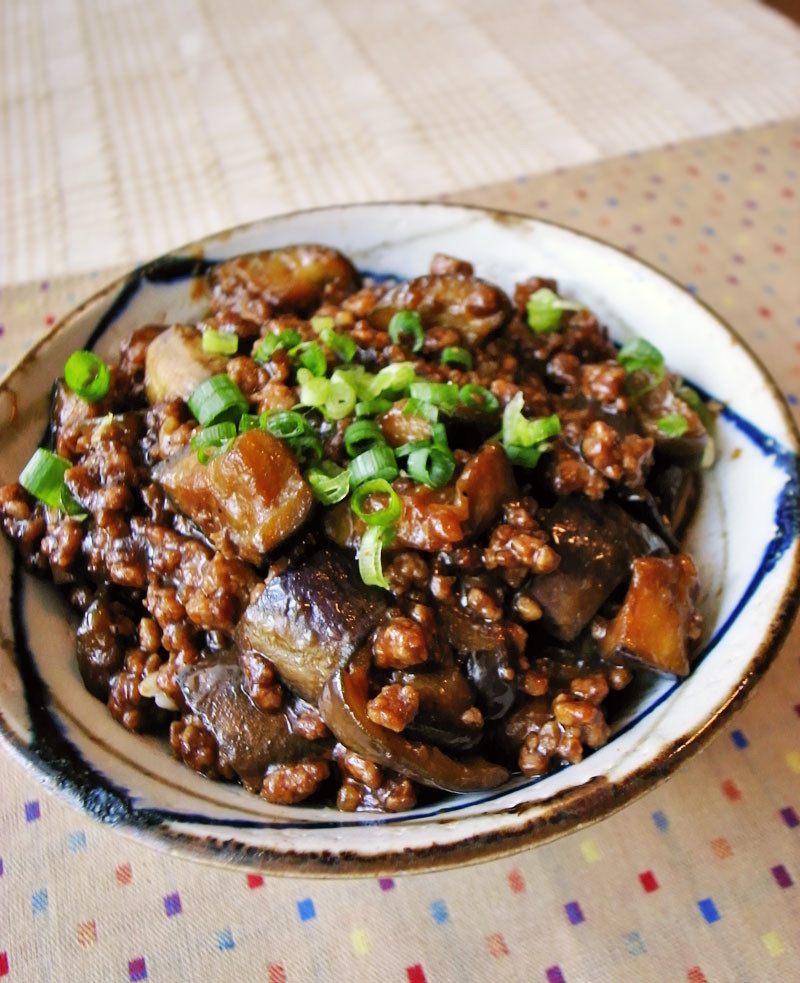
{"x": 597, "y": 543}
{"x": 343, "y": 705}
{"x": 249, "y": 739}
{"x": 484, "y": 648}
{"x": 103, "y": 636}
{"x": 311, "y": 619}
{"x": 475, "y": 308}
{"x": 445, "y": 695}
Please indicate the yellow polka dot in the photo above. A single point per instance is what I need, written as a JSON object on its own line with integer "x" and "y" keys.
{"x": 772, "y": 943}
{"x": 590, "y": 852}
{"x": 728, "y": 301}
{"x": 643, "y": 211}
{"x": 793, "y": 761}
{"x": 742, "y": 240}
{"x": 360, "y": 942}
{"x": 755, "y": 185}
{"x": 22, "y": 306}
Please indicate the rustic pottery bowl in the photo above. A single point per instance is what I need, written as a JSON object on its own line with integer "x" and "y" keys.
{"x": 744, "y": 539}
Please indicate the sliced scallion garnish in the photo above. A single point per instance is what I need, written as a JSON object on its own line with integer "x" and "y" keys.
{"x": 476, "y": 397}
{"x": 376, "y": 462}
{"x": 373, "y": 407}
{"x": 340, "y": 401}
{"x": 457, "y": 356}
{"x": 87, "y": 376}
{"x": 314, "y": 389}
{"x": 285, "y": 424}
{"x": 216, "y": 399}
{"x": 673, "y": 425}
{"x": 249, "y": 421}
{"x": 407, "y": 323}
{"x": 220, "y": 342}
{"x": 525, "y": 440}
{"x": 43, "y": 476}
{"x": 383, "y": 516}
{"x": 312, "y": 357}
{"x": 444, "y": 395}
{"x": 370, "y": 548}
{"x": 329, "y": 482}
{"x": 361, "y": 435}
{"x": 544, "y": 310}
{"x": 394, "y": 378}
{"x": 431, "y": 465}
{"x": 211, "y": 440}
{"x": 269, "y": 344}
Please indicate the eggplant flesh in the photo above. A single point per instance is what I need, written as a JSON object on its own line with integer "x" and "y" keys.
{"x": 249, "y": 739}
{"x": 597, "y": 543}
{"x": 176, "y": 363}
{"x": 651, "y": 627}
{"x": 246, "y": 500}
{"x": 310, "y": 619}
{"x": 343, "y": 705}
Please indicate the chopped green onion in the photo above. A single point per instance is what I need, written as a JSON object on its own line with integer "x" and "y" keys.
{"x": 341, "y": 401}
{"x": 329, "y": 482}
{"x": 525, "y": 440}
{"x": 220, "y": 342}
{"x": 460, "y": 357}
{"x": 377, "y": 462}
{"x": 69, "y": 506}
{"x": 439, "y": 435}
{"x": 43, "y": 476}
{"x": 361, "y": 435}
{"x": 373, "y": 407}
{"x": 407, "y": 323}
{"x": 431, "y": 465}
{"x": 544, "y": 310}
{"x": 285, "y": 424}
{"x": 418, "y": 407}
{"x": 341, "y": 345}
{"x": 312, "y": 357}
{"x": 476, "y": 397}
{"x": 415, "y": 445}
{"x": 249, "y": 421}
{"x": 356, "y": 376}
{"x": 208, "y": 441}
{"x": 307, "y": 447}
{"x": 393, "y": 378}
{"x": 322, "y": 323}
{"x": 638, "y": 354}
{"x": 369, "y": 555}
{"x": 673, "y": 425}
{"x": 87, "y": 376}
{"x": 217, "y": 399}
{"x": 693, "y": 399}
{"x": 441, "y": 394}
{"x": 314, "y": 390}
{"x": 380, "y": 517}
{"x": 269, "y": 344}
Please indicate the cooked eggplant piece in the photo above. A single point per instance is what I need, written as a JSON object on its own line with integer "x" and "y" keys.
{"x": 435, "y": 518}
{"x": 176, "y": 364}
{"x": 103, "y": 636}
{"x": 651, "y": 628}
{"x": 597, "y": 543}
{"x": 445, "y": 695}
{"x": 484, "y": 647}
{"x": 246, "y": 499}
{"x": 249, "y": 739}
{"x": 678, "y": 490}
{"x": 673, "y": 423}
{"x": 343, "y": 705}
{"x": 311, "y": 619}
{"x": 293, "y": 279}
{"x": 472, "y": 306}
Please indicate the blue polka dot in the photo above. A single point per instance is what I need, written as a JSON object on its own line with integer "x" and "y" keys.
{"x": 692, "y": 288}
{"x": 709, "y": 230}
{"x": 739, "y": 739}
{"x": 612, "y": 202}
{"x": 791, "y": 399}
{"x": 439, "y": 912}
{"x": 305, "y": 909}
{"x": 723, "y": 177}
{"x": 709, "y": 910}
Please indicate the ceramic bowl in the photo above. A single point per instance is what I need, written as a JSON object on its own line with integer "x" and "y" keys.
{"x": 744, "y": 539}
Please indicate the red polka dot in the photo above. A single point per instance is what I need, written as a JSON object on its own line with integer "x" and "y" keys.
{"x": 698, "y": 268}
{"x": 581, "y": 193}
{"x": 787, "y": 193}
{"x": 718, "y": 196}
{"x": 50, "y": 319}
{"x": 676, "y": 220}
{"x": 702, "y": 247}
{"x": 691, "y": 169}
{"x": 777, "y": 248}
{"x": 765, "y": 312}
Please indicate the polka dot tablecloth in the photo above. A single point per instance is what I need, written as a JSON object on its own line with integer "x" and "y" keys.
{"x": 696, "y": 882}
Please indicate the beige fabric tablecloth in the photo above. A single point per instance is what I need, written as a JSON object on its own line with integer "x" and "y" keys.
{"x": 128, "y": 127}
{"x": 696, "y": 882}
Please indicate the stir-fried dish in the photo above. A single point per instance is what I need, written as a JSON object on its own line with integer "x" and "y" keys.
{"x": 358, "y": 541}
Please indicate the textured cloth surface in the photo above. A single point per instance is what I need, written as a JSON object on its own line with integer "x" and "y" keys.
{"x": 698, "y": 881}
{"x": 128, "y": 127}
